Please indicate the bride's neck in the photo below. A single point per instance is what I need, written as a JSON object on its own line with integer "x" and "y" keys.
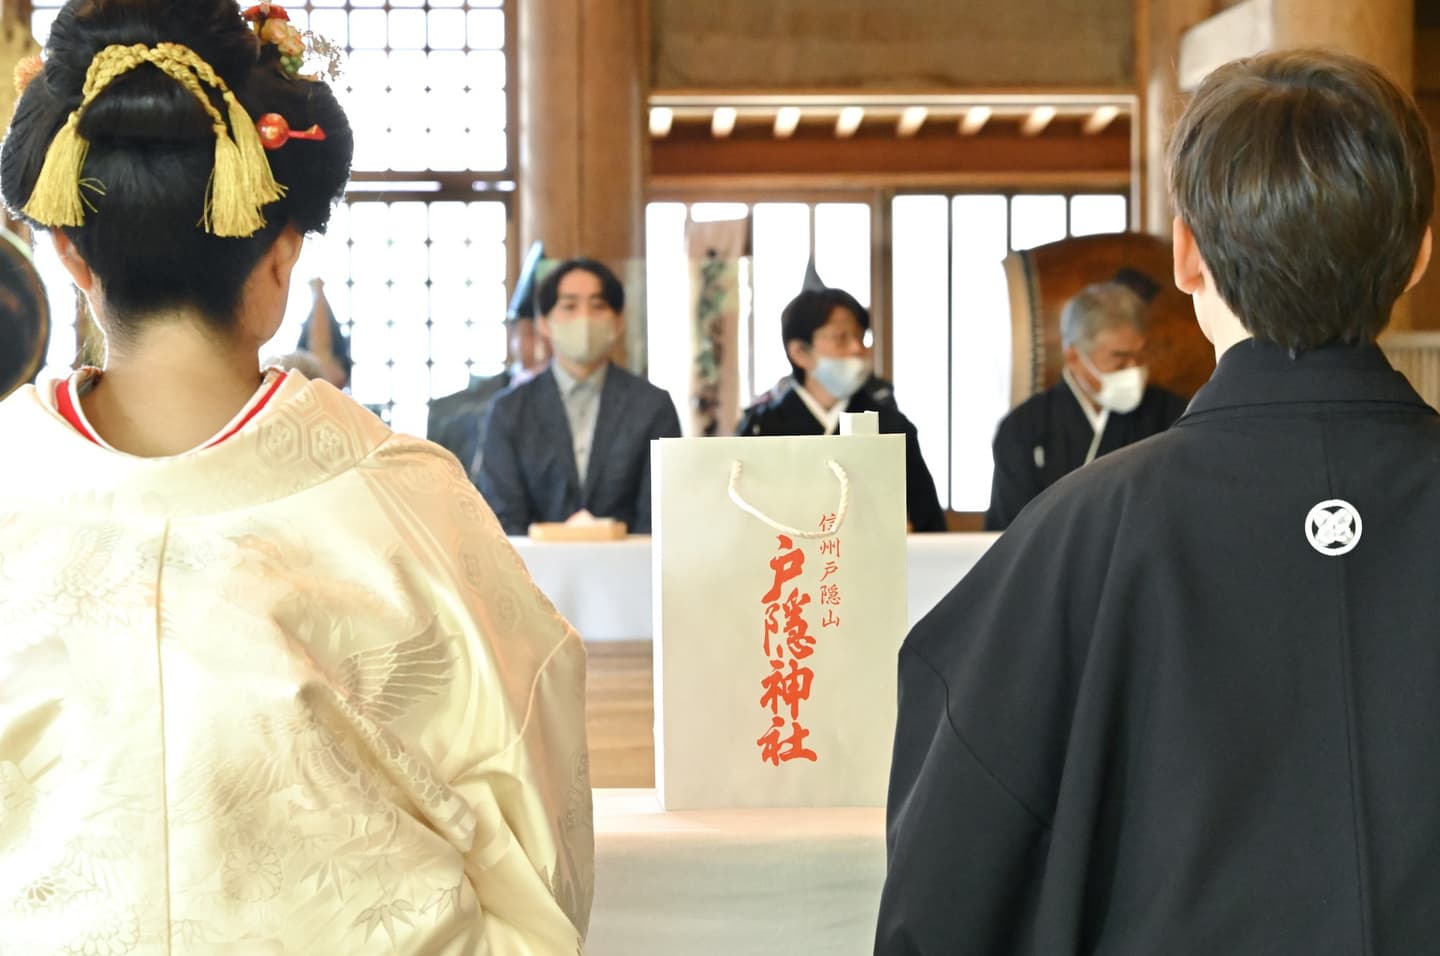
{"x": 170, "y": 385}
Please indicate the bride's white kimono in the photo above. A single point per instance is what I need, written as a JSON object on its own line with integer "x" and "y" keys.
{"x": 292, "y": 694}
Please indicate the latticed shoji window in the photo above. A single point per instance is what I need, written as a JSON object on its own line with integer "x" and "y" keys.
{"x": 415, "y": 260}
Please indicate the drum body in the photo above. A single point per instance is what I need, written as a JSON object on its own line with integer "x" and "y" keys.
{"x": 1043, "y": 279}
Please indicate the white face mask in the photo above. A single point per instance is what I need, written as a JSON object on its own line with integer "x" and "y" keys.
{"x": 1120, "y": 391}
{"x": 841, "y": 377}
{"x": 582, "y": 340}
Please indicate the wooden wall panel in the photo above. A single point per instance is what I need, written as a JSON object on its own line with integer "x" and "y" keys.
{"x": 1422, "y": 309}
{"x": 909, "y": 44}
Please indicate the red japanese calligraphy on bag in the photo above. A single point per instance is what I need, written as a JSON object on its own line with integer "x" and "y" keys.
{"x": 780, "y": 595}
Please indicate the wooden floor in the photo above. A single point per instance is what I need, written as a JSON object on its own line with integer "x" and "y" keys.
{"x": 620, "y": 714}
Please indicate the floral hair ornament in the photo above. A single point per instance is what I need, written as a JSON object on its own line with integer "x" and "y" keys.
{"x": 276, "y": 132}
{"x": 272, "y": 24}
{"x": 240, "y": 184}
{"x": 26, "y": 70}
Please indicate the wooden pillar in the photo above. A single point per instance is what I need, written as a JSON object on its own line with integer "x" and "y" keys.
{"x": 1160, "y": 25}
{"x": 16, "y": 11}
{"x": 1423, "y": 310}
{"x": 583, "y": 90}
{"x": 1380, "y": 31}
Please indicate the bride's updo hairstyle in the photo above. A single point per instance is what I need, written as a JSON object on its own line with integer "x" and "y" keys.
{"x": 153, "y": 206}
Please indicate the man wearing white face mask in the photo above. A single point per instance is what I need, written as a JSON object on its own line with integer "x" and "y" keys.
{"x": 824, "y": 332}
{"x": 1101, "y": 404}
{"x": 577, "y": 436}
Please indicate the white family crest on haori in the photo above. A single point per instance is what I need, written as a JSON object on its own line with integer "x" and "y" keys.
{"x": 1333, "y": 527}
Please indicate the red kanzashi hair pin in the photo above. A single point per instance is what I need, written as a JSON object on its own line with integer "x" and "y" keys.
{"x": 276, "y": 132}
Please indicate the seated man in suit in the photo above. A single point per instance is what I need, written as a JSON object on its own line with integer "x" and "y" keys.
{"x": 457, "y": 421}
{"x": 1101, "y": 403}
{"x": 577, "y": 436}
{"x": 824, "y": 333}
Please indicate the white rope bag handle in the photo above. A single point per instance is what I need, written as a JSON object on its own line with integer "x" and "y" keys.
{"x": 736, "y": 468}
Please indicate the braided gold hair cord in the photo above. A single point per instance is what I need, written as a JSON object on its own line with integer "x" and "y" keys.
{"x": 240, "y": 184}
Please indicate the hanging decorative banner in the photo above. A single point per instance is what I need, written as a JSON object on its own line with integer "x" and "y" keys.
{"x": 715, "y": 250}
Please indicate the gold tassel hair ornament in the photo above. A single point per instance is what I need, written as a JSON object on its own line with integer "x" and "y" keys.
{"x": 241, "y": 182}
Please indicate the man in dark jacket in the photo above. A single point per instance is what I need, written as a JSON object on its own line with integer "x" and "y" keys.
{"x": 1101, "y": 403}
{"x": 1188, "y": 703}
{"x": 577, "y": 436}
{"x": 824, "y": 333}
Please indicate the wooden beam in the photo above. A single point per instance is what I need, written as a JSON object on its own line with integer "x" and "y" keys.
{"x": 1008, "y": 153}
{"x": 786, "y": 120}
{"x": 843, "y": 187}
{"x": 1100, "y": 119}
{"x": 850, "y": 119}
{"x": 722, "y": 123}
{"x": 1038, "y": 119}
{"x": 975, "y": 119}
{"x": 910, "y": 121}
{"x": 1243, "y": 30}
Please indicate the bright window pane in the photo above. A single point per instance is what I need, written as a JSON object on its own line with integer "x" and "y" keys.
{"x": 1091, "y": 215}
{"x": 60, "y": 292}
{"x": 425, "y": 302}
{"x": 980, "y": 346}
{"x": 920, "y": 241}
{"x": 668, "y": 302}
{"x": 1036, "y": 220}
{"x": 485, "y": 70}
{"x": 842, "y": 247}
{"x": 781, "y": 242}
{"x": 408, "y": 72}
{"x": 447, "y": 29}
{"x": 367, "y": 29}
{"x": 980, "y": 228}
{"x": 407, "y": 29}
{"x": 488, "y": 150}
{"x": 330, "y": 24}
{"x": 40, "y": 21}
{"x": 487, "y": 29}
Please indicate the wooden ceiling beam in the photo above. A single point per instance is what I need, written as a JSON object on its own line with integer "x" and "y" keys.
{"x": 1038, "y": 119}
{"x": 975, "y": 119}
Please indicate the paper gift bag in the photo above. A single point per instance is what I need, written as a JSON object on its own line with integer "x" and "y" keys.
{"x": 779, "y": 583}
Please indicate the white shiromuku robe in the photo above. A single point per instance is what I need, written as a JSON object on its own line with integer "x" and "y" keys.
{"x": 291, "y": 694}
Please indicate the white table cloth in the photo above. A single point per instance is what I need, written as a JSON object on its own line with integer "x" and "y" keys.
{"x": 604, "y": 587}
{"x": 733, "y": 882}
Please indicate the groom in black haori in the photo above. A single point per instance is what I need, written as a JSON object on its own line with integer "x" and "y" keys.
{"x": 1188, "y": 703}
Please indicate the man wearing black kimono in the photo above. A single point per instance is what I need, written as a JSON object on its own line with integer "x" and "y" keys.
{"x": 1101, "y": 403}
{"x": 1189, "y": 704}
{"x": 826, "y": 334}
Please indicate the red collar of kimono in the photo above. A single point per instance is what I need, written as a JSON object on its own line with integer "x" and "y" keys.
{"x": 67, "y": 404}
